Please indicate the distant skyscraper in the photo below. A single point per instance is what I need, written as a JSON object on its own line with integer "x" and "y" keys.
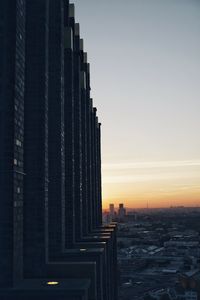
{"x": 112, "y": 209}
{"x": 121, "y": 212}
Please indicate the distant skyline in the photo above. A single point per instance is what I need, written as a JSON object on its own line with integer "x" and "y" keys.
{"x": 145, "y": 79}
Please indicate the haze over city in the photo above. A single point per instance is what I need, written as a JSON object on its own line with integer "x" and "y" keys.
{"x": 145, "y": 68}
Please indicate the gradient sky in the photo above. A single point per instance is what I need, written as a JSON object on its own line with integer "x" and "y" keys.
{"x": 145, "y": 79}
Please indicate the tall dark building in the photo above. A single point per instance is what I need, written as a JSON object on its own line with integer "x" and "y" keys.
{"x": 36, "y": 138}
{"x": 77, "y": 134}
{"x": 12, "y": 70}
{"x": 69, "y": 212}
{"x": 56, "y": 123}
{"x": 52, "y": 242}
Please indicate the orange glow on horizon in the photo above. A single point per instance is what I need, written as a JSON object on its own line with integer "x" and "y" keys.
{"x": 161, "y": 184}
{"x": 191, "y": 197}
{"x": 152, "y": 203}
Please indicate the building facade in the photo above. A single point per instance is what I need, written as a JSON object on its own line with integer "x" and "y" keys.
{"x": 12, "y": 76}
{"x": 52, "y": 242}
{"x": 36, "y": 138}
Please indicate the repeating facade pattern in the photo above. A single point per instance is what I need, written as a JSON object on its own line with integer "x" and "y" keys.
{"x": 52, "y": 242}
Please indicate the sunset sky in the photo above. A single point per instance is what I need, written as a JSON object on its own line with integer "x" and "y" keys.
{"x": 145, "y": 80}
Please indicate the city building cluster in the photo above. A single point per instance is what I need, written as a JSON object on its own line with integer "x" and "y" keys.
{"x": 159, "y": 254}
{"x": 52, "y": 242}
{"x": 113, "y": 215}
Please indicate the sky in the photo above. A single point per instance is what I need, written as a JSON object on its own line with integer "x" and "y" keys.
{"x": 145, "y": 79}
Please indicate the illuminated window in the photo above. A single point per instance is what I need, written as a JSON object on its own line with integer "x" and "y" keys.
{"x": 52, "y": 283}
{"x": 18, "y": 142}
